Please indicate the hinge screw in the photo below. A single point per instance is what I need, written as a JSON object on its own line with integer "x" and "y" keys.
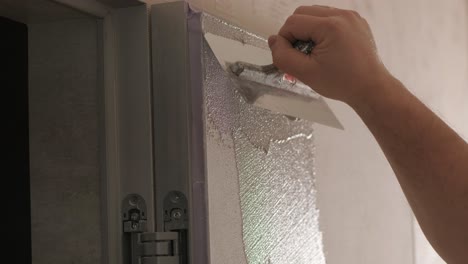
{"x": 175, "y": 198}
{"x": 135, "y": 216}
{"x": 134, "y": 200}
{"x": 134, "y": 225}
{"x": 177, "y": 214}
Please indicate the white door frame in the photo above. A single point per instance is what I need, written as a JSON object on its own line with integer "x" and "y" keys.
{"x": 127, "y": 158}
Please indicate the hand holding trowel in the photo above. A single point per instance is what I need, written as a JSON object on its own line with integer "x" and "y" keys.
{"x": 262, "y": 84}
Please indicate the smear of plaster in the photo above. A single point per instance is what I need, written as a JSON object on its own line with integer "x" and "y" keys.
{"x": 274, "y": 158}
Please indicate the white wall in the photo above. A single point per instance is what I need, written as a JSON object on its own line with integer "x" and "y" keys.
{"x": 364, "y": 216}
{"x": 424, "y": 43}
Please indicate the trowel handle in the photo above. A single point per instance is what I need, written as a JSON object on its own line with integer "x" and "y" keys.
{"x": 304, "y": 46}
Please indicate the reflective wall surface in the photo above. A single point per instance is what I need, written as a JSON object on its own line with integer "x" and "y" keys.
{"x": 262, "y": 165}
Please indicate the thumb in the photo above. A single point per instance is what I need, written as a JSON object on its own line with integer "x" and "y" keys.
{"x": 288, "y": 59}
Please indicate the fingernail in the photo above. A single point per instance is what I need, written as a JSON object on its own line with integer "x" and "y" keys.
{"x": 271, "y": 40}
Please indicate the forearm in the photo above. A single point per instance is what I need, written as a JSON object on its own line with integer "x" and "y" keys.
{"x": 429, "y": 159}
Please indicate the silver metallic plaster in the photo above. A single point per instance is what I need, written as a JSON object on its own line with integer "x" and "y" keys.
{"x": 274, "y": 158}
{"x": 222, "y": 28}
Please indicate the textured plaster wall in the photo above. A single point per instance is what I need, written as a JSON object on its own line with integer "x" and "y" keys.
{"x": 363, "y": 213}
{"x": 64, "y": 149}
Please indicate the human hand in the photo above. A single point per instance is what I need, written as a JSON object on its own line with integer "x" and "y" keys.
{"x": 344, "y": 63}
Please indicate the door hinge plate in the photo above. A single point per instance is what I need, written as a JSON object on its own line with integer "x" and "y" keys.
{"x": 155, "y": 248}
{"x": 147, "y": 247}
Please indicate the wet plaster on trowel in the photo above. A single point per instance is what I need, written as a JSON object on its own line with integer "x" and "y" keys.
{"x": 260, "y": 178}
{"x": 225, "y": 106}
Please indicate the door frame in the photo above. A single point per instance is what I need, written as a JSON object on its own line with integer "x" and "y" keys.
{"x": 127, "y": 158}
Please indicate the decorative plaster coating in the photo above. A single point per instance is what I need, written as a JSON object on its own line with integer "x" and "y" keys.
{"x": 268, "y": 161}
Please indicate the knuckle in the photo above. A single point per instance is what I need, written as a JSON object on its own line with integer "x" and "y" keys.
{"x": 277, "y": 61}
{"x": 274, "y": 54}
{"x": 347, "y": 13}
{"x": 291, "y": 20}
{"x": 277, "y": 58}
{"x": 322, "y": 6}
{"x": 300, "y": 10}
{"x": 351, "y": 14}
{"x": 281, "y": 60}
{"x": 365, "y": 22}
{"x": 332, "y": 24}
{"x": 356, "y": 13}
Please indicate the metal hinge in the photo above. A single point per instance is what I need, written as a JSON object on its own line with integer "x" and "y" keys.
{"x": 152, "y": 247}
{"x": 155, "y": 248}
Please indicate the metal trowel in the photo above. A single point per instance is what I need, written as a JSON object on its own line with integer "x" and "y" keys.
{"x": 260, "y": 83}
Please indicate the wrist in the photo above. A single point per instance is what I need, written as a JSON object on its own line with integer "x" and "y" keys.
{"x": 383, "y": 85}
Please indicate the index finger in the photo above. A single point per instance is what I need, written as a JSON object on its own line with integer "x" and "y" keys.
{"x": 318, "y": 10}
{"x": 303, "y": 27}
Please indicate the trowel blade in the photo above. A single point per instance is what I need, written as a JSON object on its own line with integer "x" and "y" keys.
{"x": 265, "y": 89}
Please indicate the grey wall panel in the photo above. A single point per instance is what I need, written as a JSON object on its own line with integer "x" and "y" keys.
{"x": 133, "y": 105}
{"x": 64, "y": 142}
